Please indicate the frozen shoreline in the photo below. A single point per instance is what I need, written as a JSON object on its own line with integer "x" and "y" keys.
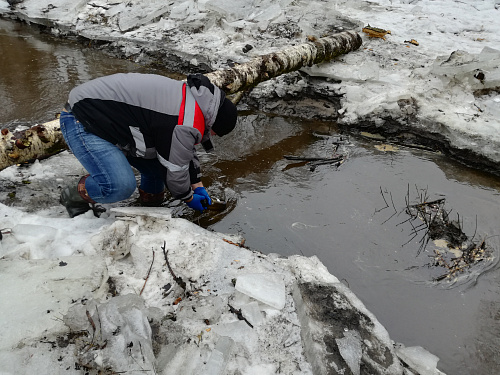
{"x": 97, "y": 294}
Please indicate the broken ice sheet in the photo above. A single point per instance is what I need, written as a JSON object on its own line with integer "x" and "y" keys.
{"x": 264, "y": 287}
{"x": 30, "y": 232}
{"x": 419, "y": 359}
{"x": 240, "y": 332}
{"x": 466, "y": 66}
{"x": 251, "y": 312}
{"x": 218, "y": 359}
{"x": 350, "y": 350}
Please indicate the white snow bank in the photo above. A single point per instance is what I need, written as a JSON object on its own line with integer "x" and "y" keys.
{"x": 35, "y": 294}
{"x": 213, "y": 306}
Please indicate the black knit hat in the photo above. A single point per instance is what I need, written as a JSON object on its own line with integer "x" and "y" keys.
{"x": 226, "y": 118}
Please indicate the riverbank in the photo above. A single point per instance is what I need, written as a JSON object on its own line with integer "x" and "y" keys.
{"x": 433, "y": 81}
{"x": 138, "y": 290}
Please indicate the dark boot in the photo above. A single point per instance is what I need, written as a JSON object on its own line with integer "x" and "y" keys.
{"x": 151, "y": 200}
{"x": 76, "y": 199}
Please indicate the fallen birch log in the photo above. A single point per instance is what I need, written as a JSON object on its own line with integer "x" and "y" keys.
{"x": 38, "y": 142}
{"x": 263, "y": 68}
{"x": 44, "y": 140}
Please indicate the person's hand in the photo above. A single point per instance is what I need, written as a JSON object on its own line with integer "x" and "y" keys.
{"x": 202, "y": 191}
{"x": 198, "y": 202}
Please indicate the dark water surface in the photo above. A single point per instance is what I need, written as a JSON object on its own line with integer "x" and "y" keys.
{"x": 37, "y": 72}
{"x": 352, "y": 217}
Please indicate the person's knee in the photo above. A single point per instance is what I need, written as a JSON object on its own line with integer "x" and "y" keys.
{"x": 124, "y": 189}
{"x": 117, "y": 190}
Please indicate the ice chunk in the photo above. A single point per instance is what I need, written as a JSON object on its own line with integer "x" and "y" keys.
{"x": 267, "y": 14}
{"x": 236, "y": 330}
{"x": 264, "y": 287}
{"x": 134, "y": 212}
{"x": 30, "y": 232}
{"x": 367, "y": 70}
{"x": 181, "y": 11}
{"x": 220, "y": 355}
{"x": 479, "y": 70}
{"x": 115, "y": 9}
{"x": 256, "y": 11}
{"x": 419, "y": 359}
{"x": 179, "y": 359}
{"x": 240, "y": 332}
{"x": 252, "y": 313}
{"x": 132, "y": 18}
{"x": 32, "y": 289}
{"x": 114, "y": 240}
{"x": 231, "y": 10}
{"x": 350, "y": 350}
{"x": 122, "y": 331}
{"x": 203, "y": 308}
{"x": 4, "y": 6}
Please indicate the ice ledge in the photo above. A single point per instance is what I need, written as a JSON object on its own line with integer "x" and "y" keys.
{"x": 276, "y": 313}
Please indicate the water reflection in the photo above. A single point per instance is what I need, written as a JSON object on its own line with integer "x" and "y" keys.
{"x": 485, "y": 357}
{"x": 38, "y": 71}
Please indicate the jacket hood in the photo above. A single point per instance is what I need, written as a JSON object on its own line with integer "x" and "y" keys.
{"x": 209, "y": 98}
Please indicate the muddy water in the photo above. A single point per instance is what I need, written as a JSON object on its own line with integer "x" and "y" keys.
{"x": 353, "y": 217}
{"x": 38, "y": 71}
{"x": 339, "y": 215}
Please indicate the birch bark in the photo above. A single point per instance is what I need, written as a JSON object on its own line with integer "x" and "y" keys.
{"x": 38, "y": 142}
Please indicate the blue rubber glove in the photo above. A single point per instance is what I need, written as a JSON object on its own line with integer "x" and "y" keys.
{"x": 202, "y": 191}
{"x": 198, "y": 202}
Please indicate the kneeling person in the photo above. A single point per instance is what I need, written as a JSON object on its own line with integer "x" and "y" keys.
{"x": 146, "y": 121}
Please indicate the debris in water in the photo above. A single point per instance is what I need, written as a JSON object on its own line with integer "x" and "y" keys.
{"x": 454, "y": 251}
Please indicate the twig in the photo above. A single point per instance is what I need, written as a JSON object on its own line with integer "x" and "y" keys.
{"x": 147, "y": 277}
{"x": 165, "y": 253}
{"x": 389, "y": 218}
{"x": 239, "y": 314}
{"x": 100, "y": 325}
{"x": 301, "y": 158}
{"x": 392, "y": 201}
{"x": 242, "y": 244}
{"x": 425, "y": 240}
{"x": 315, "y": 163}
{"x": 178, "y": 280}
{"x": 90, "y": 320}
{"x": 475, "y": 231}
{"x": 383, "y": 197}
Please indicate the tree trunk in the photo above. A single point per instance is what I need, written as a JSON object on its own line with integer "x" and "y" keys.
{"x": 263, "y": 68}
{"x": 44, "y": 140}
{"x": 38, "y": 142}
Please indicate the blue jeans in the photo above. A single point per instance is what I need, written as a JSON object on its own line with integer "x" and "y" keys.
{"x": 111, "y": 177}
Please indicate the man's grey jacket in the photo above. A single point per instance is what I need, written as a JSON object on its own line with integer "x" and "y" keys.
{"x": 152, "y": 116}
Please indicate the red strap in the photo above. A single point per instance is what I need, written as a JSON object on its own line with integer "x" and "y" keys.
{"x": 183, "y": 104}
{"x": 198, "y": 119}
